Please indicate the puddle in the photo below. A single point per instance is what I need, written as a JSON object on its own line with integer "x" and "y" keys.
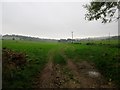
{"x": 93, "y": 73}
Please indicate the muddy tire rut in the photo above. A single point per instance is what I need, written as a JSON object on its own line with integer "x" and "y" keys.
{"x": 72, "y": 75}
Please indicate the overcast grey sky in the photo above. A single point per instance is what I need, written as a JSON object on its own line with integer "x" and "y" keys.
{"x": 51, "y": 20}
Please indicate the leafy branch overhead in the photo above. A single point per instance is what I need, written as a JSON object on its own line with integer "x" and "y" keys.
{"x": 106, "y": 11}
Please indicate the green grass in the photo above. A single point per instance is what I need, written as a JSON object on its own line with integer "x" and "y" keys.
{"x": 113, "y": 42}
{"x": 37, "y": 58}
{"x": 106, "y": 58}
{"x": 59, "y": 59}
{"x": 108, "y": 43}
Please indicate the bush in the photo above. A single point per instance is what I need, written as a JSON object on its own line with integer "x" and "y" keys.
{"x": 90, "y": 43}
{"x": 11, "y": 62}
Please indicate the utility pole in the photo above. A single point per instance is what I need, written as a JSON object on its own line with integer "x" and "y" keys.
{"x": 72, "y": 36}
{"x": 109, "y": 37}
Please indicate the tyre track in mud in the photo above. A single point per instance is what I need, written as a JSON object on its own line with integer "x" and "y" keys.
{"x": 71, "y": 75}
{"x": 52, "y": 76}
{"x": 86, "y": 75}
{"x": 45, "y": 78}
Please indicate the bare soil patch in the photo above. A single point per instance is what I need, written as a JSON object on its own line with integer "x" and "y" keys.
{"x": 88, "y": 76}
{"x": 44, "y": 79}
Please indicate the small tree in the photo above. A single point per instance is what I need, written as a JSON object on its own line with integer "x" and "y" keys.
{"x": 13, "y": 38}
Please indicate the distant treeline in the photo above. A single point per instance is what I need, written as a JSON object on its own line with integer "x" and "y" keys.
{"x": 20, "y": 37}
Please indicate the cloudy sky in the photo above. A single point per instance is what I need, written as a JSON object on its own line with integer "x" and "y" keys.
{"x": 51, "y": 20}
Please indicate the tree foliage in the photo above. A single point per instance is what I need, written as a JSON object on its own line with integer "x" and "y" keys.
{"x": 107, "y": 11}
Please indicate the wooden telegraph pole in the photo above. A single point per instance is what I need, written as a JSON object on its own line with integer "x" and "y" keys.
{"x": 72, "y": 37}
{"x": 109, "y": 37}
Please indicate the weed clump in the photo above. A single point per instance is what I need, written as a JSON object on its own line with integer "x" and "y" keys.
{"x": 90, "y": 43}
{"x": 11, "y": 62}
{"x": 59, "y": 59}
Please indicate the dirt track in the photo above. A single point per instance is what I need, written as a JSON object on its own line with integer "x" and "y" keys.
{"x": 73, "y": 75}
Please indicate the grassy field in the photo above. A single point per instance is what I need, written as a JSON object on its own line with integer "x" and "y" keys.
{"x": 105, "y": 56}
{"x": 36, "y": 56}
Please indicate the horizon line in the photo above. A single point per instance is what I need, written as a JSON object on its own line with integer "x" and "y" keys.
{"x": 60, "y": 38}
